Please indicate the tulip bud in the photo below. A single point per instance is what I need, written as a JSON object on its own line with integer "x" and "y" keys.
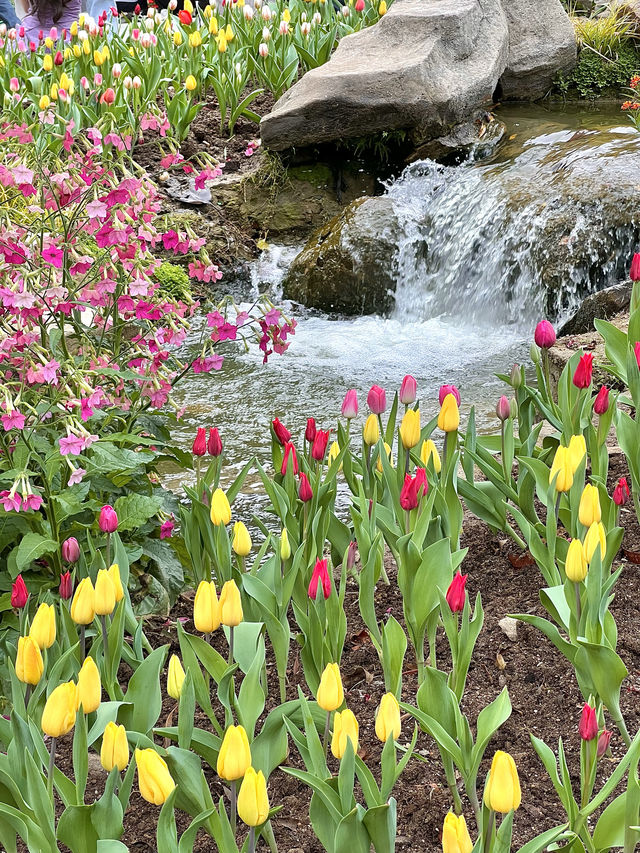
{"x": 320, "y": 577}
{"x": 584, "y": 371}
{"x": 285, "y": 547}
{"x": 503, "y": 409}
{"x": 65, "y": 590}
{"x": 589, "y": 509}
{"x": 388, "y": 451}
{"x": 515, "y": 377}
{"x": 43, "y": 627}
{"x": 334, "y": 452}
{"x": 319, "y": 447}
{"x": 280, "y": 431}
{"x": 588, "y": 726}
{"x": 371, "y": 431}
{"x": 382, "y": 8}
{"x": 410, "y": 428}
{"x": 455, "y": 835}
{"x": 330, "y": 695}
{"x": 408, "y": 390}
{"x": 634, "y": 272}
{"x": 456, "y": 594}
{"x": 89, "y": 687}
{"x": 108, "y": 520}
{"x": 595, "y": 537}
{"x": 200, "y": 442}
{"x": 310, "y": 431}
{"x": 350, "y": 404}
{"x": 449, "y": 417}
{"x": 621, "y": 492}
{"x": 345, "y": 726}
{"x": 175, "y": 677}
{"x": 59, "y": 715}
{"x": 206, "y": 608}
{"x": 351, "y": 555}
{"x": 575, "y": 566}
{"x": 154, "y": 780}
{"x": 289, "y": 453}
{"x": 234, "y": 758}
{"x": 430, "y": 451}
{"x": 137, "y": 84}
{"x": 601, "y": 403}
{"x": 603, "y": 743}
{"x": 241, "y": 540}
{"x": 377, "y": 399}
{"x": 561, "y": 466}
{"x": 214, "y": 444}
{"x": 577, "y": 451}
{"x": 253, "y": 802}
{"x": 544, "y": 335}
{"x": 305, "y": 492}
{"x": 263, "y": 49}
{"x": 220, "y": 510}
{"x": 70, "y": 550}
{"x": 114, "y": 751}
{"x": 105, "y": 594}
{"x": 29, "y": 663}
{"x": 388, "y": 718}
{"x": 83, "y": 603}
{"x": 502, "y": 791}
{"x": 534, "y": 354}
{"x": 445, "y": 390}
{"x": 231, "y": 613}
{"x": 47, "y": 62}
{"x": 114, "y": 574}
{"x": 14, "y": 84}
{"x": 19, "y": 593}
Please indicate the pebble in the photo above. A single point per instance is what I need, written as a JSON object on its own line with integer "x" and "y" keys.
{"x": 509, "y": 627}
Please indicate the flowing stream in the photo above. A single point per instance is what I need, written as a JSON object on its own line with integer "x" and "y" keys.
{"x": 467, "y": 298}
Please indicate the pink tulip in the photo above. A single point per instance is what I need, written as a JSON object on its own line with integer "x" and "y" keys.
{"x": 634, "y": 273}
{"x": 448, "y": 389}
{"x": 70, "y": 550}
{"x": 377, "y": 399}
{"x": 350, "y": 404}
{"x": 544, "y": 335}
{"x": 408, "y": 390}
{"x": 108, "y": 521}
{"x": 503, "y": 409}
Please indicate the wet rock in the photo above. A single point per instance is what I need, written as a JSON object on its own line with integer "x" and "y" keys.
{"x": 603, "y": 305}
{"x": 184, "y": 190}
{"x": 347, "y": 266}
{"x": 481, "y": 135}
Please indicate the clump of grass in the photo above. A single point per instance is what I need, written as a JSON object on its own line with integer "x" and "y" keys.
{"x": 605, "y": 34}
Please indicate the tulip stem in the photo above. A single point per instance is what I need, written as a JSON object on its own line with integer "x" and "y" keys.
{"x": 83, "y": 643}
{"x": 27, "y": 695}
{"x": 108, "y": 550}
{"x": 486, "y": 843}
{"x": 473, "y": 799}
{"x": 325, "y": 739}
{"x": 52, "y": 758}
{"x": 234, "y": 798}
{"x": 380, "y": 425}
{"x": 507, "y": 474}
{"x": 230, "y": 645}
{"x": 105, "y": 636}
{"x": 407, "y": 461}
{"x": 578, "y": 604}
{"x": 252, "y": 840}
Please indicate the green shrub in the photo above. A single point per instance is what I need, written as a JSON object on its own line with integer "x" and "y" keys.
{"x": 605, "y": 34}
{"x": 595, "y": 76}
{"x": 173, "y": 281}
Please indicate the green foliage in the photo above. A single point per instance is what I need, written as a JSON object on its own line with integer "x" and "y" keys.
{"x": 596, "y": 76}
{"x": 605, "y": 34}
{"x": 173, "y": 281}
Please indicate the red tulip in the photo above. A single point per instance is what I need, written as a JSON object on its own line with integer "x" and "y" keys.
{"x": 58, "y": 59}
{"x": 603, "y": 743}
{"x": 289, "y": 450}
{"x": 350, "y": 404}
{"x": 621, "y": 493}
{"x": 448, "y": 389}
{"x": 359, "y": 5}
{"x": 456, "y": 594}
{"x": 544, "y": 335}
{"x": 108, "y": 521}
{"x": 601, "y": 404}
{"x": 377, "y": 399}
{"x": 634, "y": 273}
{"x": 408, "y": 390}
{"x": 310, "y": 432}
{"x": 214, "y": 445}
{"x": 305, "y": 492}
{"x": 109, "y": 96}
{"x": 503, "y": 409}
{"x": 320, "y": 575}
{"x": 422, "y": 486}
{"x": 200, "y": 442}
{"x": 584, "y": 371}
{"x": 413, "y": 489}
{"x": 66, "y": 586}
{"x": 636, "y": 350}
{"x": 19, "y": 593}
{"x": 588, "y": 727}
{"x": 320, "y": 445}
{"x": 70, "y": 550}
{"x": 136, "y": 9}
{"x": 185, "y": 17}
{"x": 281, "y": 432}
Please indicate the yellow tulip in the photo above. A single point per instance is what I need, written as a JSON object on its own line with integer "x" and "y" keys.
{"x": 177, "y": 38}
{"x": 213, "y": 26}
{"x": 387, "y": 450}
{"x": 43, "y": 627}
{"x": 449, "y": 417}
{"x": 59, "y": 713}
{"x": 64, "y": 81}
{"x": 220, "y": 509}
{"x": 221, "y": 41}
{"x": 575, "y": 566}
{"x": 382, "y": 8}
{"x": 388, "y": 718}
{"x": 105, "y": 594}
{"x": 89, "y": 687}
{"x": 208, "y": 12}
{"x": 334, "y": 452}
{"x": 345, "y": 726}
{"x": 561, "y": 466}
{"x": 371, "y": 431}
{"x": 330, "y": 694}
{"x": 286, "y": 15}
{"x": 502, "y": 792}
{"x": 98, "y": 58}
{"x": 71, "y": 88}
{"x": 67, "y": 53}
{"x": 455, "y": 835}
{"x": 410, "y": 428}
{"x": 234, "y": 758}
{"x": 47, "y": 62}
{"x": 229, "y": 33}
{"x": 77, "y": 51}
{"x": 86, "y": 48}
{"x": 175, "y": 677}
{"x": 285, "y": 547}
{"x": 206, "y": 610}
{"x": 53, "y": 92}
{"x": 190, "y": 83}
{"x": 589, "y": 509}
{"x": 44, "y": 102}
{"x": 595, "y": 537}
{"x": 195, "y": 39}
{"x": 430, "y": 451}
{"x": 253, "y": 802}
{"x": 83, "y": 603}
{"x": 73, "y": 29}
{"x": 29, "y": 664}
{"x": 241, "y": 540}
{"x": 48, "y": 42}
{"x": 154, "y": 780}
{"x": 230, "y": 605}
{"x": 114, "y": 574}
{"x": 114, "y": 751}
{"x": 577, "y": 451}
{"x": 188, "y": 6}
{"x": 106, "y": 53}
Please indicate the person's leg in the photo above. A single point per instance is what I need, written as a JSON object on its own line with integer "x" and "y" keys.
{"x": 8, "y": 13}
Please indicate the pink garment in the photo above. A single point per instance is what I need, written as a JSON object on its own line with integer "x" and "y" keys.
{"x": 34, "y": 25}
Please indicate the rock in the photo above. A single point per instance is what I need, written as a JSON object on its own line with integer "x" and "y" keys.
{"x": 184, "y": 190}
{"x": 481, "y": 135}
{"x": 604, "y": 305}
{"x": 509, "y": 627}
{"x": 566, "y": 347}
{"x": 425, "y": 66}
{"x": 347, "y": 266}
{"x": 542, "y": 42}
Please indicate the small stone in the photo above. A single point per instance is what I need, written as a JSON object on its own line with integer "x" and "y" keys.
{"x": 509, "y": 627}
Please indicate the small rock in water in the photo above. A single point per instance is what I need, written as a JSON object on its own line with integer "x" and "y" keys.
{"x": 184, "y": 190}
{"x": 509, "y": 627}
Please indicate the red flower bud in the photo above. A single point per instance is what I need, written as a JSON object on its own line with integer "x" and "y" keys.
{"x": 503, "y": 409}
{"x": 456, "y": 594}
{"x": 136, "y": 9}
{"x": 621, "y": 493}
{"x": 320, "y": 445}
{"x": 544, "y": 335}
{"x": 634, "y": 273}
{"x": 584, "y": 371}
{"x": 305, "y": 492}
{"x": 409, "y": 493}
{"x": 351, "y": 555}
{"x": 214, "y": 445}
{"x": 289, "y": 450}
{"x": 588, "y": 727}
{"x": 66, "y": 586}
{"x": 19, "y": 593}
{"x": 310, "y": 432}
{"x": 185, "y": 17}
{"x": 636, "y": 350}
{"x": 58, "y": 59}
{"x": 108, "y": 521}
{"x": 200, "y": 442}
{"x": 422, "y": 486}
{"x": 448, "y": 389}
{"x": 377, "y": 399}
{"x": 601, "y": 404}
{"x": 320, "y": 575}
{"x": 603, "y": 743}
{"x": 281, "y": 432}
{"x": 408, "y": 390}
{"x": 70, "y": 550}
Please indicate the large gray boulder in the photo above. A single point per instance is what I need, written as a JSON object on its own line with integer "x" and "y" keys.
{"x": 425, "y": 66}
{"x": 542, "y": 42}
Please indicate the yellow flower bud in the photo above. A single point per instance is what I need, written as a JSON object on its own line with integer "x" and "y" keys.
{"x": 334, "y": 452}
{"x": 595, "y": 537}
{"x": 154, "y": 780}
{"x": 576, "y": 563}
{"x": 387, "y": 450}
{"x": 208, "y": 12}
{"x": 230, "y": 605}
{"x": 286, "y": 15}
{"x": 285, "y": 547}
{"x": 53, "y": 92}
{"x": 213, "y": 26}
{"x": 449, "y": 417}
{"x": 241, "y": 540}
{"x": 71, "y": 87}
{"x": 502, "y": 792}
{"x": 86, "y": 48}
{"x": 382, "y": 8}
{"x": 371, "y": 431}
{"x": 175, "y": 677}
{"x": 105, "y": 594}
{"x": 83, "y": 603}
{"x": 43, "y": 627}
{"x": 577, "y": 451}
{"x": 89, "y": 687}
{"x": 410, "y": 428}
{"x": 345, "y": 726}
{"x": 114, "y": 751}
{"x": 234, "y": 758}
{"x": 455, "y": 835}
{"x": 388, "y": 718}
{"x": 330, "y": 695}
{"x": 430, "y": 451}
{"x": 220, "y": 509}
{"x": 77, "y": 51}
{"x": 67, "y": 53}
{"x": 561, "y": 466}
{"x": 589, "y": 510}
{"x": 73, "y": 29}
{"x": 221, "y": 41}
{"x": 206, "y": 610}
{"x": 195, "y": 39}
{"x": 44, "y": 102}
{"x": 59, "y": 713}
{"x": 253, "y": 802}
{"x": 190, "y": 83}
{"x": 114, "y": 574}
{"x": 229, "y": 33}
{"x": 188, "y": 6}
{"x": 48, "y": 43}
{"x": 98, "y": 58}
{"x": 177, "y": 38}
{"x": 29, "y": 664}
{"x": 64, "y": 81}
